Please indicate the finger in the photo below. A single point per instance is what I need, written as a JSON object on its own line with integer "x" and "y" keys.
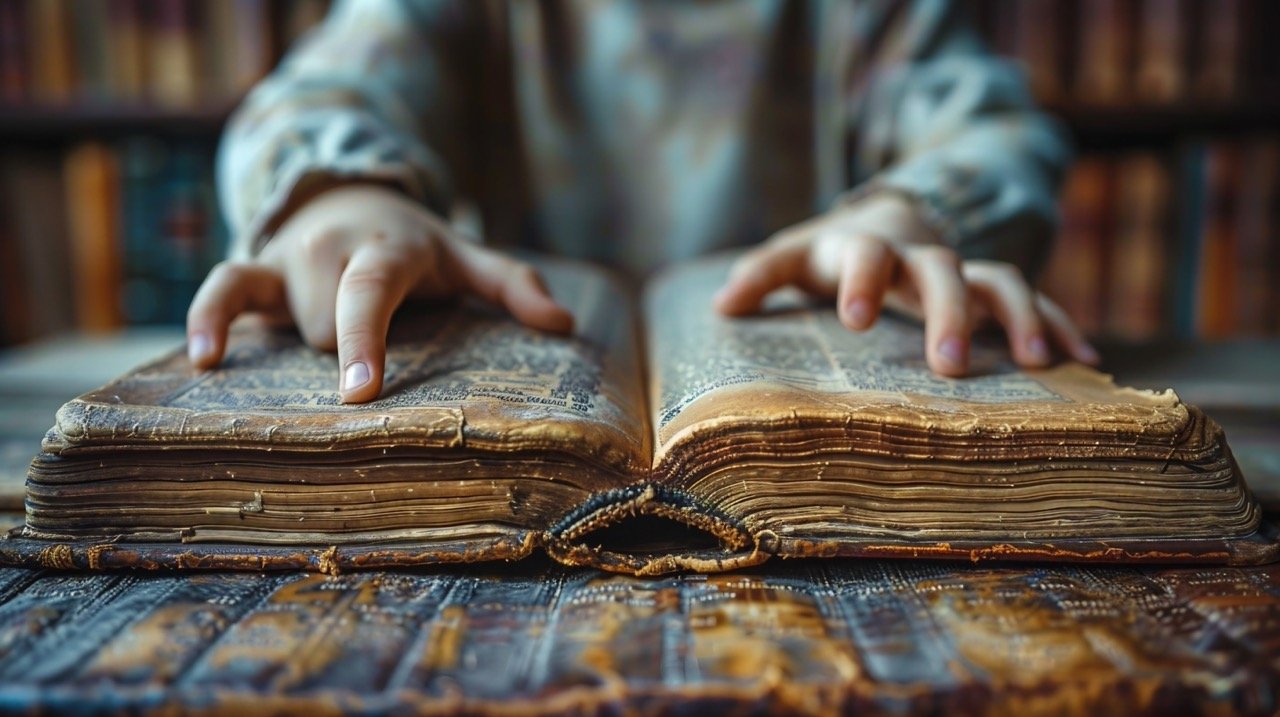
{"x": 1065, "y": 333}
{"x": 1006, "y": 293}
{"x": 935, "y": 272}
{"x": 230, "y": 290}
{"x": 371, "y": 288}
{"x": 865, "y": 275}
{"x": 513, "y": 285}
{"x": 312, "y": 277}
{"x": 758, "y": 273}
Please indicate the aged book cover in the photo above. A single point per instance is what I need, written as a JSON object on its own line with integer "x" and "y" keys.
{"x": 660, "y": 437}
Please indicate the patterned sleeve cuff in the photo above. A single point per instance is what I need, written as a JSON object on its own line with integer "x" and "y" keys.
{"x": 949, "y": 200}
{"x": 267, "y": 168}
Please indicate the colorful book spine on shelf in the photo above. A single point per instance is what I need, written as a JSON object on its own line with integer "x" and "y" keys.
{"x": 1125, "y": 52}
{"x": 1077, "y": 273}
{"x": 92, "y": 179}
{"x": 1257, "y": 260}
{"x": 1191, "y": 224}
{"x": 1135, "y": 304}
{"x": 14, "y": 67}
{"x": 1146, "y": 250}
{"x": 31, "y": 185}
{"x": 1162, "y": 50}
{"x": 171, "y": 53}
{"x": 172, "y": 235}
{"x": 1216, "y": 270}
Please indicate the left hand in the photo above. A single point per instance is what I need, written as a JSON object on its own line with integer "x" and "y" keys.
{"x": 878, "y": 251}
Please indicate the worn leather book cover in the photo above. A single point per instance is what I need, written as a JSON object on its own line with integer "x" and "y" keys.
{"x": 870, "y": 637}
{"x": 658, "y": 438}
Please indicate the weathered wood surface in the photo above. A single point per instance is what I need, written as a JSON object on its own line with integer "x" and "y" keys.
{"x": 863, "y": 637}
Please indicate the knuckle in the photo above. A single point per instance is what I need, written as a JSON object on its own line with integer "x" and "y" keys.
{"x": 1004, "y": 271}
{"x": 369, "y": 278}
{"x": 936, "y": 254}
{"x": 318, "y": 245}
{"x": 789, "y": 235}
{"x": 226, "y": 271}
{"x": 525, "y": 273}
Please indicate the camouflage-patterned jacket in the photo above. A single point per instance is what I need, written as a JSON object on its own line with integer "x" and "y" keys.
{"x": 638, "y": 132}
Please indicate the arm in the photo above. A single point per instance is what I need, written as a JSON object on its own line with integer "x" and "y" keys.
{"x": 333, "y": 178}
{"x": 955, "y": 206}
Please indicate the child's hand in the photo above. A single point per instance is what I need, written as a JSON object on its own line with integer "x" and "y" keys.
{"x": 878, "y": 251}
{"x": 342, "y": 263}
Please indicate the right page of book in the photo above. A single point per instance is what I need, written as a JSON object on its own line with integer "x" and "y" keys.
{"x": 791, "y": 423}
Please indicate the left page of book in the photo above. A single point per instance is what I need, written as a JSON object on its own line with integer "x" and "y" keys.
{"x": 483, "y": 426}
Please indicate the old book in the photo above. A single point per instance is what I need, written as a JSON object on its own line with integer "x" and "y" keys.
{"x": 724, "y": 443}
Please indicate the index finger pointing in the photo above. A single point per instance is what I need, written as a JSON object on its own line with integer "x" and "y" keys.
{"x": 371, "y": 288}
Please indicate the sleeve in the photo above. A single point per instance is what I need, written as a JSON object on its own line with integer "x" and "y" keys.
{"x": 954, "y": 128}
{"x": 369, "y": 95}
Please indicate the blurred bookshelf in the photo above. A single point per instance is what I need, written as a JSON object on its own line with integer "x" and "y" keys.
{"x": 1169, "y": 218}
{"x": 110, "y": 113}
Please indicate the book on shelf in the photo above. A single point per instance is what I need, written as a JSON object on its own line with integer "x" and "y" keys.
{"x": 1128, "y": 53}
{"x": 1257, "y": 290}
{"x": 1136, "y": 288}
{"x": 1076, "y": 276}
{"x": 133, "y": 224}
{"x": 32, "y": 198}
{"x": 92, "y": 181}
{"x": 657, "y": 438}
{"x": 1178, "y": 243}
{"x": 174, "y": 54}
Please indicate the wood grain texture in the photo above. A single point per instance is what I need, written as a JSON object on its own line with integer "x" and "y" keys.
{"x": 802, "y": 637}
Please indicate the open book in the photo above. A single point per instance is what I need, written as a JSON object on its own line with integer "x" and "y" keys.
{"x": 660, "y": 437}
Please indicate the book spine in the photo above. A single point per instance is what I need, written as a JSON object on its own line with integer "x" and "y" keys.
{"x": 1216, "y": 316}
{"x": 93, "y": 199}
{"x": 1161, "y": 50}
{"x": 1036, "y": 41}
{"x": 1105, "y": 57}
{"x": 52, "y": 58}
{"x": 1256, "y": 257}
{"x": 36, "y": 213}
{"x": 14, "y": 70}
{"x": 1191, "y": 219}
{"x": 125, "y": 29}
{"x": 1217, "y": 75}
{"x": 1135, "y": 307}
{"x": 174, "y": 54}
{"x": 1076, "y": 276}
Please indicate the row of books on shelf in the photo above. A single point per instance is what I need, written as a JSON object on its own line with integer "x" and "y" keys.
{"x": 172, "y": 54}
{"x": 1127, "y": 52}
{"x": 102, "y": 235}
{"x": 1180, "y": 244}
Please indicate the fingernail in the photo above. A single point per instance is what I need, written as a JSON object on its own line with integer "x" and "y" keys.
{"x": 1038, "y": 349}
{"x": 356, "y": 375}
{"x": 859, "y": 312}
{"x": 1089, "y": 354}
{"x": 952, "y": 351}
{"x": 199, "y": 347}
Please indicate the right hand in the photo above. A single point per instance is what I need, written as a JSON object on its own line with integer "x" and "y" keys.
{"x": 341, "y": 265}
